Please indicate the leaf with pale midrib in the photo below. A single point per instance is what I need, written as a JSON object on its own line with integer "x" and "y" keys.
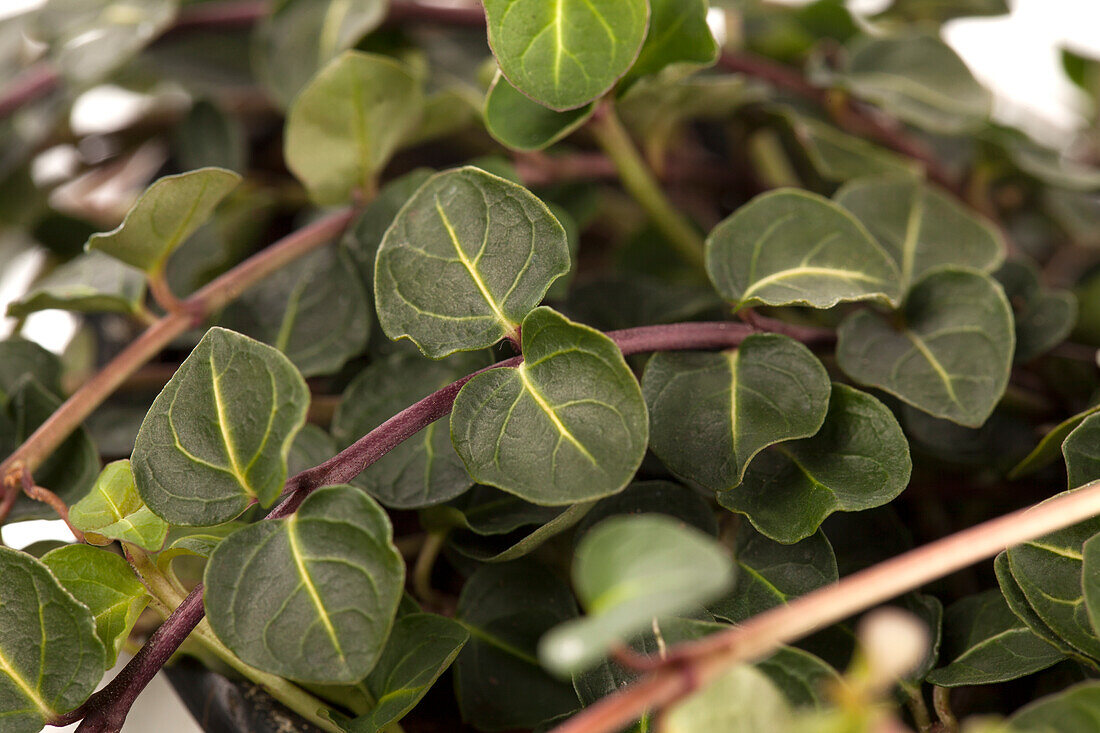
{"x": 793, "y": 247}
{"x": 165, "y": 215}
{"x": 949, "y": 351}
{"x": 678, "y": 34}
{"x": 566, "y": 53}
{"x": 311, "y": 597}
{"x": 465, "y": 260}
{"x": 710, "y": 413}
{"x": 50, "y": 656}
{"x": 113, "y": 510}
{"x": 567, "y": 425}
{"x": 218, "y": 434}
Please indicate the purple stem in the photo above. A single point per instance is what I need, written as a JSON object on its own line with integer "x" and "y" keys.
{"x": 106, "y": 710}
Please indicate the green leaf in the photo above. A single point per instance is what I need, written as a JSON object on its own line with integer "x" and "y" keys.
{"x": 165, "y": 215}
{"x": 653, "y": 497}
{"x": 218, "y": 434}
{"x": 1069, "y": 711}
{"x": 195, "y": 542}
{"x": 345, "y": 125}
{"x": 792, "y": 247}
{"x": 741, "y": 699}
{"x": 311, "y": 597}
{"x": 567, "y": 425}
{"x": 50, "y": 657}
{"x": 312, "y": 446}
{"x": 920, "y": 227}
{"x": 316, "y": 312}
{"x": 1017, "y": 603}
{"x": 113, "y": 510}
{"x": 1079, "y": 449}
{"x": 920, "y": 79}
{"x": 988, "y": 644}
{"x": 486, "y": 512}
{"x": 941, "y": 11}
{"x": 465, "y": 261}
{"x": 837, "y": 156}
{"x": 1049, "y": 448}
{"x": 420, "y": 648}
{"x": 19, "y": 358}
{"x": 567, "y": 53}
{"x": 90, "y": 283}
{"x": 804, "y": 679}
{"x": 1044, "y": 318}
{"x": 770, "y": 574}
{"x": 298, "y": 37}
{"x": 209, "y": 137}
{"x": 515, "y": 545}
{"x": 425, "y": 469}
{"x": 626, "y": 571}
{"x": 678, "y": 33}
{"x": 69, "y": 471}
{"x": 949, "y": 351}
{"x": 1048, "y": 571}
{"x": 107, "y": 585}
{"x": 710, "y": 413}
{"x": 499, "y": 683}
{"x": 520, "y": 123}
{"x": 858, "y": 460}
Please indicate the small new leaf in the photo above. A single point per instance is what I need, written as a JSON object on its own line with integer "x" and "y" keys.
{"x": 113, "y": 510}
{"x": 465, "y": 261}
{"x": 792, "y": 247}
{"x": 169, "y": 212}
{"x": 218, "y": 434}
{"x": 567, "y": 425}
{"x": 311, "y": 597}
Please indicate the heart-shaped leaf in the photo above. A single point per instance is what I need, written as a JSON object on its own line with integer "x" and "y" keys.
{"x": 1043, "y": 317}
{"x": 311, "y": 597}
{"x": 499, "y": 682}
{"x": 567, "y": 425}
{"x": 988, "y": 644}
{"x": 710, "y": 413}
{"x": 792, "y": 247}
{"x": 465, "y": 261}
{"x": 520, "y": 123}
{"x": 169, "y": 212}
{"x": 566, "y": 53}
{"x": 217, "y": 436}
{"x": 425, "y": 469}
{"x": 678, "y": 33}
{"x": 298, "y": 37}
{"x": 344, "y": 126}
{"x": 420, "y": 648}
{"x": 50, "y": 656}
{"x": 113, "y": 510}
{"x": 626, "y": 571}
{"x": 1048, "y": 571}
{"x": 107, "y": 585}
{"x": 91, "y": 283}
{"x": 316, "y": 312}
{"x": 948, "y": 353}
{"x": 770, "y": 574}
{"x": 921, "y": 227}
{"x": 858, "y": 460}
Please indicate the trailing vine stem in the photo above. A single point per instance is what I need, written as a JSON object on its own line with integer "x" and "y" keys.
{"x": 106, "y": 709}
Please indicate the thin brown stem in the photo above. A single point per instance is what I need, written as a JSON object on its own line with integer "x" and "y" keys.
{"x": 941, "y": 700}
{"x": 53, "y": 501}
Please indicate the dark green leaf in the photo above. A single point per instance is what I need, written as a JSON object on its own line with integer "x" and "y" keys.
{"x": 565, "y": 54}
{"x": 105, "y": 583}
{"x": 420, "y": 648}
{"x": 626, "y": 571}
{"x": 948, "y": 353}
{"x": 311, "y": 597}
{"x": 804, "y": 679}
{"x": 113, "y": 510}
{"x": 425, "y": 469}
{"x": 1043, "y": 317}
{"x": 486, "y": 511}
{"x": 1072, "y": 710}
{"x": 91, "y": 282}
{"x": 165, "y": 215}
{"x": 514, "y": 545}
{"x": 1017, "y": 603}
{"x": 678, "y": 33}
{"x": 921, "y": 227}
{"x": 298, "y": 37}
{"x": 1050, "y": 446}
{"x": 858, "y": 460}
{"x": 770, "y": 574}
{"x": 710, "y": 413}
{"x": 498, "y": 680}
{"x": 794, "y": 247}
{"x": 1080, "y": 451}
{"x": 208, "y": 136}
{"x": 50, "y": 656}
{"x": 654, "y": 497}
{"x": 20, "y": 357}
{"x": 344, "y": 126}
{"x": 218, "y": 434}
{"x": 567, "y": 425}
{"x": 940, "y": 11}
{"x": 465, "y": 261}
{"x": 312, "y": 446}
{"x": 520, "y": 123}
{"x": 988, "y": 644}
{"x": 837, "y": 156}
